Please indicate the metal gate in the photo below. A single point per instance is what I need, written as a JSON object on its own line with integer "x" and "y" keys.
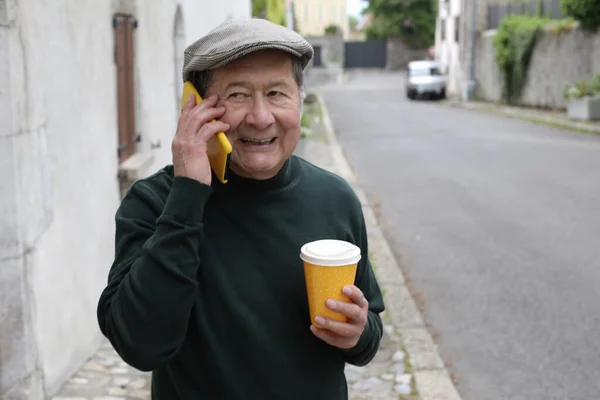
{"x": 368, "y": 54}
{"x": 317, "y": 57}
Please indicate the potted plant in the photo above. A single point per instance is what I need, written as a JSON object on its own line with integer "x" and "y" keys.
{"x": 583, "y": 99}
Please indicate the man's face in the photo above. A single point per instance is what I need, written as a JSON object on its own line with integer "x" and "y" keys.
{"x": 262, "y": 106}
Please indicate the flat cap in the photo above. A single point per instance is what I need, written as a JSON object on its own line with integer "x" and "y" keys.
{"x": 236, "y": 38}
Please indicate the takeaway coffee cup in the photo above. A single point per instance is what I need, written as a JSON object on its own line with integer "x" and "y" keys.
{"x": 329, "y": 265}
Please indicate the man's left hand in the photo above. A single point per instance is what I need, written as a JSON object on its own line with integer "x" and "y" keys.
{"x": 344, "y": 335}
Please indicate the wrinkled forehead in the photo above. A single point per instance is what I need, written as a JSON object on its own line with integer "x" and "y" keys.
{"x": 262, "y": 62}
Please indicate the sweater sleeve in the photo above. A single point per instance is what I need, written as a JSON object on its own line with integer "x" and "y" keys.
{"x": 368, "y": 344}
{"x": 144, "y": 309}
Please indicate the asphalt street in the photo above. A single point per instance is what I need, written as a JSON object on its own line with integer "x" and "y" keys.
{"x": 497, "y": 224}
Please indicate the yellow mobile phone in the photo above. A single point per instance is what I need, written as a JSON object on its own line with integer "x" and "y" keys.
{"x": 219, "y": 147}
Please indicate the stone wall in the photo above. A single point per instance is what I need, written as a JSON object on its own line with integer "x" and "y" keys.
{"x": 487, "y": 73}
{"x": 558, "y": 59}
{"x": 58, "y": 167}
{"x": 399, "y": 55}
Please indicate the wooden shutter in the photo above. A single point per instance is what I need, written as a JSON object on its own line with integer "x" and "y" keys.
{"x": 124, "y": 26}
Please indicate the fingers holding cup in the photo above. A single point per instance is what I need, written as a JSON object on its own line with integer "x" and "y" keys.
{"x": 329, "y": 266}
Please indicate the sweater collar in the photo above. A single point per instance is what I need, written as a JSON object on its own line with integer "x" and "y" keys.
{"x": 284, "y": 177}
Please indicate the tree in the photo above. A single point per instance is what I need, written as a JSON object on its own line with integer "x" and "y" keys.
{"x": 272, "y": 10}
{"x": 586, "y": 11}
{"x": 411, "y": 20}
{"x": 352, "y": 21}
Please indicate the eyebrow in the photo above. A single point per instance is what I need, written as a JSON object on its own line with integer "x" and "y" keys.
{"x": 270, "y": 85}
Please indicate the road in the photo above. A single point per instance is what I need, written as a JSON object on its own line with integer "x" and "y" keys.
{"x": 497, "y": 223}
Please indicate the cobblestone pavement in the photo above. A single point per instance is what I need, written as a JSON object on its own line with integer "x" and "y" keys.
{"x": 106, "y": 377}
{"x": 387, "y": 377}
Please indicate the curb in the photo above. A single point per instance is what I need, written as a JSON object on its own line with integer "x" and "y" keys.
{"x": 432, "y": 379}
{"x": 491, "y": 108}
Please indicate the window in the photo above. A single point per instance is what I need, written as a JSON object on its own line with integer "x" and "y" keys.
{"x": 124, "y": 26}
{"x": 456, "y": 29}
{"x": 422, "y": 72}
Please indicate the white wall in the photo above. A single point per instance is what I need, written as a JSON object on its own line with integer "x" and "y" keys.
{"x": 448, "y": 51}
{"x": 58, "y": 157}
{"x": 203, "y": 15}
{"x": 199, "y": 17}
{"x": 61, "y": 62}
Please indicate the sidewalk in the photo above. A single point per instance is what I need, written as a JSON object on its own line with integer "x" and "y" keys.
{"x": 557, "y": 119}
{"x": 407, "y": 366}
{"x": 106, "y": 377}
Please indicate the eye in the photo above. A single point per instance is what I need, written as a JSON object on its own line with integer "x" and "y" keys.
{"x": 274, "y": 93}
{"x": 236, "y": 95}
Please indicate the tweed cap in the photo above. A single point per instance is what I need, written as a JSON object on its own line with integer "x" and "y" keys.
{"x": 238, "y": 37}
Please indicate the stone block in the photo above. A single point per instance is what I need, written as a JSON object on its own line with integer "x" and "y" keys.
{"x": 33, "y": 184}
{"x": 135, "y": 166}
{"x": 17, "y": 350}
{"x": 584, "y": 109}
{"x": 3, "y": 13}
{"x": 421, "y": 348}
{"x": 10, "y": 245}
{"x": 386, "y": 268}
{"x": 6, "y": 123}
{"x": 401, "y": 306}
{"x": 30, "y": 388}
{"x": 435, "y": 385}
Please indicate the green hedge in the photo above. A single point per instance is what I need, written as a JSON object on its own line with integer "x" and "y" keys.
{"x": 587, "y": 12}
{"x": 514, "y": 43}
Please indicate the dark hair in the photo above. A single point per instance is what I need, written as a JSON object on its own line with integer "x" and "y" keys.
{"x": 203, "y": 79}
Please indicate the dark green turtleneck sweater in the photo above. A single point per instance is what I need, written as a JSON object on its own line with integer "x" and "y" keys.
{"x": 207, "y": 288}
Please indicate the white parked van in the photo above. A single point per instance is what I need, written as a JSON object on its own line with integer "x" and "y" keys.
{"x": 425, "y": 80}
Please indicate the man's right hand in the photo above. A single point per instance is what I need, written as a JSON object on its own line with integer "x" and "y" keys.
{"x": 189, "y": 146}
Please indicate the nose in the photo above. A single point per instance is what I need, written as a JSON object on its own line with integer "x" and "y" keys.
{"x": 260, "y": 115}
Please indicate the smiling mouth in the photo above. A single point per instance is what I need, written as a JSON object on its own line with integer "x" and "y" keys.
{"x": 253, "y": 142}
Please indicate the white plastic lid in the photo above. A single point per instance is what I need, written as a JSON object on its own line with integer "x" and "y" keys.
{"x": 330, "y": 253}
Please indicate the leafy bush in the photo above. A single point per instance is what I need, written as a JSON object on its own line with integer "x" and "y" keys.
{"x": 586, "y": 11}
{"x": 595, "y": 84}
{"x": 559, "y": 26}
{"x": 514, "y": 43}
{"x": 332, "y": 29}
{"x": 582, "y": 88}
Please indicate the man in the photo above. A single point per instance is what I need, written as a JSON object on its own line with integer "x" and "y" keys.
{"x": 207, "y": 288}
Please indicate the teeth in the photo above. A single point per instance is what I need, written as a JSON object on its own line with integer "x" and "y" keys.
{"x": 251, "y": 141}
